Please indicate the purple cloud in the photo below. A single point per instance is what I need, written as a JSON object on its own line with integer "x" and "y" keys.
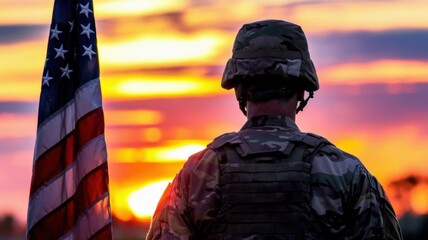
{"x": 18, "y": 33}
{"x": 344, "y": 47}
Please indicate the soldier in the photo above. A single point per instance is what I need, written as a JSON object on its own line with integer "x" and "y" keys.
{"x": 270, "y": 180}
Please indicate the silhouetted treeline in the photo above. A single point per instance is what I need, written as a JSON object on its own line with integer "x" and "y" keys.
{"x": 10, "y": 229}
{"x": 414, "y": 227}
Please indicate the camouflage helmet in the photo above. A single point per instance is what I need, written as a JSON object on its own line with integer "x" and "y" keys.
{"x": 271, "y": 48}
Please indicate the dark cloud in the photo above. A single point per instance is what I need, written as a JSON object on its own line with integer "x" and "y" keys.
{"x": 18, "y": 33}
{"x": 409, "y": 181}
{"x": 343, "y": 47}
{"x": 207, "y": 70}
{"x": 17, "y": 144}
{"x": 18, "y": 107}
{"x": 370, "y": 107}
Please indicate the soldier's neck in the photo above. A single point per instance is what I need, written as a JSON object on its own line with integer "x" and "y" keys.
{"x": 273, "y": 107}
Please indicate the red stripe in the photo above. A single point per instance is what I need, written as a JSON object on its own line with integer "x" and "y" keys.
{"x": 61, "y": 220}
{"x": 56, "y": 159}
{"x": 103, "y": 234}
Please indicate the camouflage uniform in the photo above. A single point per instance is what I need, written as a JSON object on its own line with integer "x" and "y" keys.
{"x": 347, "y": 199}
{"x": 270, "y": 180}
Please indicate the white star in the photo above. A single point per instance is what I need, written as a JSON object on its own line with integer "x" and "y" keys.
{"x": 85, "y": 9}
{"x": 88, "y": 51}
{"x": 55, "y": 32}
{"x": 46, "y": 79}
{"x": 66, "y": 72}
{"x": 71, "y": 25}
{"x": 60, "y": 51}
{"x": 86, "y": 30}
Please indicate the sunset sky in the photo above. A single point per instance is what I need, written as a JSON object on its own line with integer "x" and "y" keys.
{"x": 161, "y": 63}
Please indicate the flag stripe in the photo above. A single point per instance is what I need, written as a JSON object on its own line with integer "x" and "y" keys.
{"x": 92, "y": 156}
{"x": 97, "y": 217}
{"x": 104, "y": 233}
{"x": 59, "y": 157}
{"x": 61, "y": 220}
{"x": 55, "y": 128}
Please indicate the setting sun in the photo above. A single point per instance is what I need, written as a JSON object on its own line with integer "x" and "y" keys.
{"x": 143, "y": 201}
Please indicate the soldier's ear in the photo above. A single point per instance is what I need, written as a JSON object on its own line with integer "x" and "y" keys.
{"x": 300, "y": 95}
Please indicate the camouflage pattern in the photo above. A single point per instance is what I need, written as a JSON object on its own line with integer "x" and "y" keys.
{"x": 348, "y": 200}
{"x": 271, "y": 49}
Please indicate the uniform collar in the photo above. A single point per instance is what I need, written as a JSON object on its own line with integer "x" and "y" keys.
{"x": 270, "y": 121}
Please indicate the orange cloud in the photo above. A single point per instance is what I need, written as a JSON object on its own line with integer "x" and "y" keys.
{"x": 13, "y": 12}
{"x": 132, "y": 117}
{"x": 17, "y": 126}
{"x": 132, "y": 137}
{"x": 21, "y": 68}
{"x": 140, "y": 86}
{"x": 163, "y": 50}
{"x": 388, "y": 154}
{"x": 419, "y": 199}
{"x": 172, "y": 151}
{"x": 383, "y": 71}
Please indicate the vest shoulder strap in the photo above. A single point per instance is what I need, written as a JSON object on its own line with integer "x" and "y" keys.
{"x": 311, "y": 139}
{"x": 232, "y": 138}
{"x": 246, "y": 146}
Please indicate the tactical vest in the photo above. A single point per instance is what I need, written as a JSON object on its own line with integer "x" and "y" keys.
{"x": 265, "y": 186}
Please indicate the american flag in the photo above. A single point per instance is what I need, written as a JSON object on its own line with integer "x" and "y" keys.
{"x": 69, "y": 196}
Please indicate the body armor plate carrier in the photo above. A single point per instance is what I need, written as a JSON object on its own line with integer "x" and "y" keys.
{"x": 265, "y": 185}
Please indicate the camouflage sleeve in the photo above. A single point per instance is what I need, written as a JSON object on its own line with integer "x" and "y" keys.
{"x": 180, "y": 213}
{"x": 391, "y": 228}
{"x": 349, "y": 201}
{"x": 372, "y": 215}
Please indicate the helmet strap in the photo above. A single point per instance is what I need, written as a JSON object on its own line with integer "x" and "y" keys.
{"x": 304, "y": 102}
{"x": 243, "y": 107}
{"x": 240, "y": 96}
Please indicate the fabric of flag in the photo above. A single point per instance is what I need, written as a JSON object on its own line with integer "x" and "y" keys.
{"x": 69, "y": 196}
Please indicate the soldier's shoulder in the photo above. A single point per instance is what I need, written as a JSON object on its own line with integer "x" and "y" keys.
{"x": 337, "y": 154}
{"x": 207, "y": 154}
{"x": 336, "y": 167}
{"x": 329, "y": 149}
{"x": 229, "y": 137}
